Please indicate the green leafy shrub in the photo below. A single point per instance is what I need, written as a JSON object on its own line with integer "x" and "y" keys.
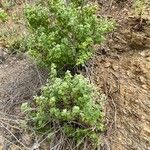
{"x": 3, "y": 15}
{"x": 72, "y": 102}
{"x": 64, "y": 32}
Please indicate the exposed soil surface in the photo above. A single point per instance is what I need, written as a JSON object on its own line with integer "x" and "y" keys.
{"x": 120, "y": 68}
{"x": 126, "y": 83}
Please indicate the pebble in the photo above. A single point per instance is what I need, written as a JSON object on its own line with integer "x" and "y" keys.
{"x": 144, "y": 86}
{"x": 142, "y": 79}
{"x": 108, "y": 64}
{"x": 115, "y": 67}
{"x": 145, "y": 53}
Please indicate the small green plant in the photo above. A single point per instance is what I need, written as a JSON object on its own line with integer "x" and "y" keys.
{"x": 64, "y": 32}
{"x": 18, "y": 45}
{"x": 73, "y": 103}
{"x": 3, "y": 15}
{"x": 8, "y": 4}
{"x": 140, "y": 6}
{"x": 13, "y": 39}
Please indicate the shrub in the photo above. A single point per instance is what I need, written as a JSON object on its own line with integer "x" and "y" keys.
{"x": 64, "y": 32}
{"x": 71, "y": 102}
{"x": 3, "y": 15}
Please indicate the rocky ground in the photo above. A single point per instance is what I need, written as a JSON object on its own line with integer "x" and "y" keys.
{"x": 120, "y": 68}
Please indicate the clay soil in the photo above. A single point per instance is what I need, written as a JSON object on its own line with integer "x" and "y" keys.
{"x": 120, "y": 68}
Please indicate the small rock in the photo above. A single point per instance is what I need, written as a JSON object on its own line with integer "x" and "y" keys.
{"x": 108, "y": 64}
{"x": 129, "y": 74}
{"x": 115, "y": 67}
{"x": 144, "y": 86}
{"x": 142, "y": 79}
{"x": 118, "y": 47}
{"x": 145, "y": 53}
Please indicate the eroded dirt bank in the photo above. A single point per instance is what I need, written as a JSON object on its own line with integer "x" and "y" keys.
{"x": 122, "y": 70}
{"x": 126, "y": 83}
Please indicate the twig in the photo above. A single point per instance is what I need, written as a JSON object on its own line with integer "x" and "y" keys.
{"x": 48, "y": 136}
{"x": 15, "y": 137}
{"x": 57, "y": 145}
{"x": 11, "y": 142}
{"x": 115, "y": 111}
{"x": 8, "y": 124}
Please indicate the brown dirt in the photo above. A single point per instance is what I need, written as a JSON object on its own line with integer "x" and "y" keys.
{"x": 126, "y": 82}
{"x": 121, "y": 68}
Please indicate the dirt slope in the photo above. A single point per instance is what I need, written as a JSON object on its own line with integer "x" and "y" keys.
{"x": 122, "y": 70}
{"x": 126, "y": 82}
